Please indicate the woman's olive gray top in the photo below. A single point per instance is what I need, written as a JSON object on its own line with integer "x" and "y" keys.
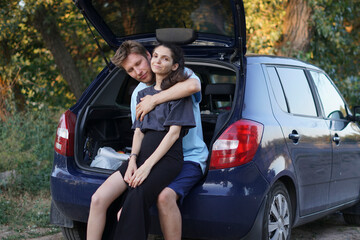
{"x": 177, "y": 112}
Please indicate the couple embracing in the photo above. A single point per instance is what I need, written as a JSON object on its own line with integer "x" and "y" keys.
{"x": 168, "y": 155}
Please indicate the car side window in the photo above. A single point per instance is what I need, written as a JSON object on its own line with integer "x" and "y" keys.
{"x": 333, "y": 104}
{"x": 277, "y": 88}
{"x": 297, "y": 91}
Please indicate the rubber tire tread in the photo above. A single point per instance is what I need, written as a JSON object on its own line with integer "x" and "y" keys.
{"x": 352, "y": 219}
{"x": 78, "y": 232}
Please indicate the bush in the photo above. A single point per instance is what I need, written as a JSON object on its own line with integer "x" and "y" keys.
{"x": 6, "y": 207}
{"x": 27, "y": 149}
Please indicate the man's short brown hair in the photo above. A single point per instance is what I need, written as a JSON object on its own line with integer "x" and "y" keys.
{"x": 126, "y": 49}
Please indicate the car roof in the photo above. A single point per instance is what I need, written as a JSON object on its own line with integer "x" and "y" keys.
{"x": 278, "y": 60}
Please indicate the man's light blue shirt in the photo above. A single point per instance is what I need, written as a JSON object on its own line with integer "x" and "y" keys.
{"x": 194, "y": 147}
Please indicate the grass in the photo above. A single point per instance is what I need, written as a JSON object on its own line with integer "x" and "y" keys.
{"x": 26, "y": 216}
{"x": 26, "y": 149}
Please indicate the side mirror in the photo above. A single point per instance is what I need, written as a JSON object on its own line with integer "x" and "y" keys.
{"x": 356, "y": 116}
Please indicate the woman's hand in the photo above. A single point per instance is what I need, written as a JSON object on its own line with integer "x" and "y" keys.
{"x": 140, "y": 175}
{"x": 143, "y": 171}
{"x": 130, "y": 171}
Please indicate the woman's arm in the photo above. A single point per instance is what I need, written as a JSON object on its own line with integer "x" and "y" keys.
{"x": 179, "y": 90}
{"x": 142, "y": 172}
{"x": 135, "y": 149}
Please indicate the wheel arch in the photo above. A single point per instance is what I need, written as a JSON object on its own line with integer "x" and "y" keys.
{"x": 290, "y": 187}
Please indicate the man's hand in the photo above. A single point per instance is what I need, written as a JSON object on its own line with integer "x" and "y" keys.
{"x": 179, "y": 90}
{"x": 146, "y": 105}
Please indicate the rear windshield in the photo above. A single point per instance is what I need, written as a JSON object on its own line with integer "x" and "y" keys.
{"x": 132, "y": 17}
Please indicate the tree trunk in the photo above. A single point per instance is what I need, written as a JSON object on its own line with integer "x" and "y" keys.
{"x": 45, "y": 24}
{"x": 296, "y": 30}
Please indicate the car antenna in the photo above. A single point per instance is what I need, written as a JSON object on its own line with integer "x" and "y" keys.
{"x": 95, "y": 39}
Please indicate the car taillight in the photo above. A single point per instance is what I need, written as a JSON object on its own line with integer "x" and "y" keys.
{"x": 64, "y": 141}
{"x": 237, "y": 145}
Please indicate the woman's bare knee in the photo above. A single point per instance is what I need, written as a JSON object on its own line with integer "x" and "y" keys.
{"x": 112, "y": 188}
{"x": 99, "y": 202}
{"x": 96, "y": 200}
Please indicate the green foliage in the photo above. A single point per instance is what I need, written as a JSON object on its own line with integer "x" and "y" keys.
{"x": 27, "y": 148}
{"x": 6, "y": 208}
{"x": 264, "y": 20}
{"x": 25, "y": 61}
{"x": 335, "y": 45}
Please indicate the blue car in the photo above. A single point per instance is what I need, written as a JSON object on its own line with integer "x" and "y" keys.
{"x": 284, "y": 146}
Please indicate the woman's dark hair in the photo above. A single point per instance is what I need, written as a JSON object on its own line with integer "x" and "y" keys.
{"x": 178, "y": 75}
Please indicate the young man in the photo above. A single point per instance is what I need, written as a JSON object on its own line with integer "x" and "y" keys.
{"x": 135, "y": 60}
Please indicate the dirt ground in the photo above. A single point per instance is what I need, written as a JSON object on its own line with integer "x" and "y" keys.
{"x": 331, "y": 227}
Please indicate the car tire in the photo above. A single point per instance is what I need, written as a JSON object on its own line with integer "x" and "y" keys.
{"x": 78, "y": 232}
{"x": 352, "y": 219}
{"x": 278, "y": 215}
{"x": 352, "y": 214}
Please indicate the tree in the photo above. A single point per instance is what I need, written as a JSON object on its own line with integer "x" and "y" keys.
{"x": 325, "y": 33}
{"x": 45, "y": 23}
{"x": 33, "y": 73}
{"x": 9, "y": 74}
{"x": 264, "y": 21}
{"x": 335, "y": 44}
{"x": 30, "y": 65}
{"x": 296, "y": 30}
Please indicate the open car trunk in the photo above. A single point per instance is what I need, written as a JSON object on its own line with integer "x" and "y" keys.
{"x": 106, "y": 119}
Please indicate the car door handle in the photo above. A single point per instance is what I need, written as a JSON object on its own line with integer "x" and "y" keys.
{"x": 336, "y": 139}
{"x": 294, "y": 136}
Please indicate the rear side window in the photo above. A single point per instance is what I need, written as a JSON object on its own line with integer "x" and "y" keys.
{"x": 277, "y": 88}
{"x": 297, "y": 91}
{"x": 333, "y": 104}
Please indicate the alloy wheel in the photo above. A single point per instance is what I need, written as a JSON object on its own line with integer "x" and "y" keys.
{"x": 279, "y": 218}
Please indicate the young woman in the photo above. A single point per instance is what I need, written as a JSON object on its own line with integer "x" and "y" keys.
{"x": 156, "y": 157}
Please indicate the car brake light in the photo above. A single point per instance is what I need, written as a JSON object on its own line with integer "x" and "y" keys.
{"x": 64, "y": 141}
{"x": 237, "y": 145}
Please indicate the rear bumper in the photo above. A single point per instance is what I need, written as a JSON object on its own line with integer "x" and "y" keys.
{"x": 227, "y": 205}
{"x": 71, "y": 189}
